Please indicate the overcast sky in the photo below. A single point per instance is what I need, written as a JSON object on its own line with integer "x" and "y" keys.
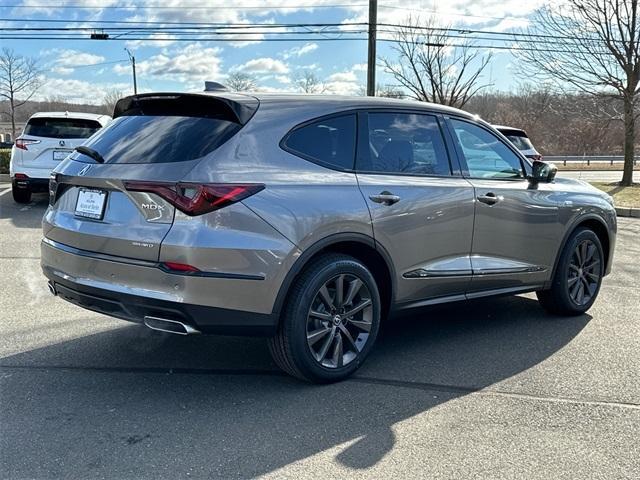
{"x": 76, "y": 70}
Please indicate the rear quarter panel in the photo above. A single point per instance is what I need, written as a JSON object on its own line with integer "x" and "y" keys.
{"x": 305, "y": 202}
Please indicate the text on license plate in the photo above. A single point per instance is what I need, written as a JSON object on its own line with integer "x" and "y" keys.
{"x": 90, "y": 203}
{"x": 60, "y": 154}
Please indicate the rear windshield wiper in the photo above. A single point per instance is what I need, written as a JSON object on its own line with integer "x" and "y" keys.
{"x": 90, "y": 152}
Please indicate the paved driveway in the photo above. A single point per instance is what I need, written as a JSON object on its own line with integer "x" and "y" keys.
{"x": 489, "y": 389}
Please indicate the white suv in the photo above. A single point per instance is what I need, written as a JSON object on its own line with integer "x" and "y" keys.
{"x": 48, "y": 137}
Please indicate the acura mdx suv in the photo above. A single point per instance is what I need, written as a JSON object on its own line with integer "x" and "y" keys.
{"x": 310, "y": 219}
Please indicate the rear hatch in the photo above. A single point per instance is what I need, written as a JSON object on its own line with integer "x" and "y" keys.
{"x": 48, "y": 140}
{"x": 117, "y": 195}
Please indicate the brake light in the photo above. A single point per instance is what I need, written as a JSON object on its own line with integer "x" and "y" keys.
{"x": 536, "y": 157}
{"x": 21, "y": 176}
{"x": 22, "y": 143}
{"x": 196, "y": 199}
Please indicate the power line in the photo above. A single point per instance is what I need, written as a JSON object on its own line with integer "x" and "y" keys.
{"x": 182, "y": 7}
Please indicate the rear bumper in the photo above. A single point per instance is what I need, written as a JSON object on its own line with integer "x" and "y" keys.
{"x": 132, "y": 291}
{"x": 33, "y": 184}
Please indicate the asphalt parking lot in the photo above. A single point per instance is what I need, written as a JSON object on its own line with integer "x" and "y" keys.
{"x": 489, "y": 389}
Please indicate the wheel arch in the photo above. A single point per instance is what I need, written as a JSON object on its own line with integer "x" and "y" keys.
{"x": 357, "y": 245}
{"x": 598, "y": 226}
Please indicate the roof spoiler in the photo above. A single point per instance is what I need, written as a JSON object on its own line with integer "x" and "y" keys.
{"x": 234, "y": 108}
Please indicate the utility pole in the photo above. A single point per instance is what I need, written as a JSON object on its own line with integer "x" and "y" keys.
{"x": 133, "y": 66}
{"x": 371, "y": 56}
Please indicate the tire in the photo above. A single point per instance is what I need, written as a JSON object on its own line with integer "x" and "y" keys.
{"x": 21, "y": 195}
{"x": 579, "y": 270}
{"x": 306, "y": 344}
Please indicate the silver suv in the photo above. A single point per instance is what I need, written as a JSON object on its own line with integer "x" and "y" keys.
{"x": 310, "y": 219}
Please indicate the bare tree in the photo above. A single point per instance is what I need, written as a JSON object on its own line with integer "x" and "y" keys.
{"x": 385, "y": 91}
{"x": 308, "y": 82}
{"x": 433, "y": 67}
{"x": 110, "y": 99}
{"x": 241, "y": 82}
{"x": 18, "y": 78}
{"x": 593, "y": 46}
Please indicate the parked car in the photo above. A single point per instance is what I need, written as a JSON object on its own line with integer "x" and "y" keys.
{"x": 48, "y": 137}
{"x": 520, "y": 139}
{"x": 310, "y": 219}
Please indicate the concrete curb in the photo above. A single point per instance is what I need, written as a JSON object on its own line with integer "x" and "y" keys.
{"x": 628, "y": 212}
{"x": 4, "y": 177}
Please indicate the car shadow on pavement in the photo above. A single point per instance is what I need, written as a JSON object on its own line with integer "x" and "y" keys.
{"x": 138, "y": 404}
{"x": 27, "y": 215}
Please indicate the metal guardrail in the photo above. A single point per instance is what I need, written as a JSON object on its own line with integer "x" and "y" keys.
{"x": 588, "y": 159}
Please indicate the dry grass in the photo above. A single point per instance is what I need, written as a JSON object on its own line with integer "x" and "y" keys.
{"x": 573, "y": 166}
{"x": 622, "y": 196}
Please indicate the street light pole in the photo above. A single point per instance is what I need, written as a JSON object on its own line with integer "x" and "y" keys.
{"x": 371, "y": 54}
{"x": 133, "y": 66}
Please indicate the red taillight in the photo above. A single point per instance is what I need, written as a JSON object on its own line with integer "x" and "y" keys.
{"x": 196, "y": 199}
{"x": 22, "y": 143}
{"x": 21, "y": 176}
{"x": 536, "y": 157}
{"x": 179, "y": 267}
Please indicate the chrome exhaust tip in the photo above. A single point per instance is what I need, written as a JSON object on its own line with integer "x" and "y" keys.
{"x": 169, "y": 326}
{"x": 52, "y": 288}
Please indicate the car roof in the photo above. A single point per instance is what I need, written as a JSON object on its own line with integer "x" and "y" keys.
{"x": 82, "y": 115}
{"x": 346, "y": 101}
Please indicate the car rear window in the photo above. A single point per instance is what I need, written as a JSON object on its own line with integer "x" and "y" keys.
{"x": 519, "y": 139}
{"x": 160, "y": 138}
{"x": 61, "y": 127}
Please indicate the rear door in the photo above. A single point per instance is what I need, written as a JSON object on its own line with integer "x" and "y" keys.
{"x": 151, "y": 146}
{"x": 54, "y": 138}
{"x": 517, "y": 227}
{"x": 422, "y": 208}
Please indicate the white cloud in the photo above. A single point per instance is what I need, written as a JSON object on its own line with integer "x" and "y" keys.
{"x": 62, "y": 70}
{"x": 66, "y": 60}
{"x": 283, "y": 79}
{"x": 342, "y": 88}
{"x": 77, "y": 91}
{"x": 343, "y": 77}
{"x": 359, "y": 67}
{"x": 263, "y": 65}
{"x": 299, "y": 51}
{"x": 190, "y": 64}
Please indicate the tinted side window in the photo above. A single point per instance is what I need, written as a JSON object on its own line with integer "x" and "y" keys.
{"x": 331, "y": 141}
{"x": 405, "y": 143}
{"x": 485, "y": 154}
{"x": 61, "y": 127}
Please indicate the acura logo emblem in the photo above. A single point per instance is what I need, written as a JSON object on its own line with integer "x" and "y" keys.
{"x": 61, "y": 143}
{"x": 84, "y": 170}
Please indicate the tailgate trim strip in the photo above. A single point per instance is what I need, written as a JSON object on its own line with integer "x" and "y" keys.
{"x": 147, "y": 263}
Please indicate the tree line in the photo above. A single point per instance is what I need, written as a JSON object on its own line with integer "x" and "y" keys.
{"x": 584, "y": 55}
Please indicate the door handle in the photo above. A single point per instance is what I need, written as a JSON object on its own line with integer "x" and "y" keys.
{"x": 386, "y": 198}
{"x": 490, "y": 198}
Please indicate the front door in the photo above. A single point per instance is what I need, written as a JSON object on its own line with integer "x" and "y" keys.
{"x": 516, "y": 226}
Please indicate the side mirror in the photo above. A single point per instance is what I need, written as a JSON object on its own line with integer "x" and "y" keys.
{"x": 543, "y": 172}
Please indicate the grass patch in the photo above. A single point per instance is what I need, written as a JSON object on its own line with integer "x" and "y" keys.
{"x": 5, "y": 157}
{"x": 622, "y": 196}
